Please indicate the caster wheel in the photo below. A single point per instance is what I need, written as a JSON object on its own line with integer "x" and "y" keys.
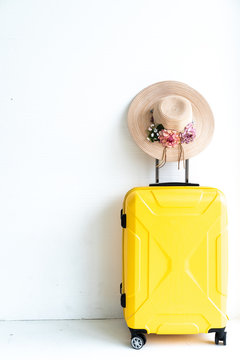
{"x": 144, "y": 338}
{"x": 138, "y": 341}
{"x": 221, "y": 337}
{"x": 225, "y": 338}
{"x": 216, "y": 338}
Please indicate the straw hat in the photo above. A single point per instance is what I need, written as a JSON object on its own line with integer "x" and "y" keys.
{"x": 175, "y": 105}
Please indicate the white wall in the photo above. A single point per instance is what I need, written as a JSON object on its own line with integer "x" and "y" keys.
{"x": 69, "y": 70}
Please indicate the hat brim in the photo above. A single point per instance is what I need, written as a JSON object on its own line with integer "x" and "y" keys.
{"x": 139, "y": 119}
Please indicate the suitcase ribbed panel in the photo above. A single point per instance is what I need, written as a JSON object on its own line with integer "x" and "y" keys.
{"x": 175, "y": 259}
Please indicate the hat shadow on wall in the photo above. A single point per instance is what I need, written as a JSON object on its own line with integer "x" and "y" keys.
{"x": 134, "y": 163}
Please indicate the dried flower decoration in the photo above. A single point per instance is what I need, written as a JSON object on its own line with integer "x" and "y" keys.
{"x": 188, "y": 134}
{"x": 170, "y": 138}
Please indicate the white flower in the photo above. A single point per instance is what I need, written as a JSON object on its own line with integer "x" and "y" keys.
{"x": 152, "y": 125}
{"x": 149, "y": 129}
{"x": 152, "y": 134}
{"x": 155, "y": 130}
{"x": 148, "y": 138}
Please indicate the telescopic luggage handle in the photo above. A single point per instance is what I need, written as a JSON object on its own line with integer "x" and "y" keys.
{"x": 186, "y": 183}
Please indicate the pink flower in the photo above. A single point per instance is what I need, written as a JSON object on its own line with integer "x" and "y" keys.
{"x": 169, "y": 138}
{"x": 188, "y": 134}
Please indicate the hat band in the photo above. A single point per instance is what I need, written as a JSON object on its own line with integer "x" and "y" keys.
{"x": 171, "y": 138}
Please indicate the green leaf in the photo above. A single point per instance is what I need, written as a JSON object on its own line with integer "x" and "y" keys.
{"x": 160, "y": 127}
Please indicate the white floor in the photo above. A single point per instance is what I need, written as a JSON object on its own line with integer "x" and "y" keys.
{"x": 73, "y": 339}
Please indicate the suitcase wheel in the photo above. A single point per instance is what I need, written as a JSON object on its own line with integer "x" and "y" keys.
{"x": 137, "y": 341}
{"x": 221, "y": 337}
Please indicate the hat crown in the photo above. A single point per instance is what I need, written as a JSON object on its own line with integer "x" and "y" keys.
{"x": 173, "y": 112}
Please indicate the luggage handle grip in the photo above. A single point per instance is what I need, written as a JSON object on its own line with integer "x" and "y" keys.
{"x": 173, "y": 184}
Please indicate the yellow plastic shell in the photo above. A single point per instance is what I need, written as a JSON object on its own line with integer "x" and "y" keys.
{"x": 175, "y": 259}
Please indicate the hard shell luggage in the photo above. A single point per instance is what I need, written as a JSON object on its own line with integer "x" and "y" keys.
{"x": 174, "y": 278}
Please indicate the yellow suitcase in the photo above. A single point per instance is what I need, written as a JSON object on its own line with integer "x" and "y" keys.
{"x": 174, "y": 275}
